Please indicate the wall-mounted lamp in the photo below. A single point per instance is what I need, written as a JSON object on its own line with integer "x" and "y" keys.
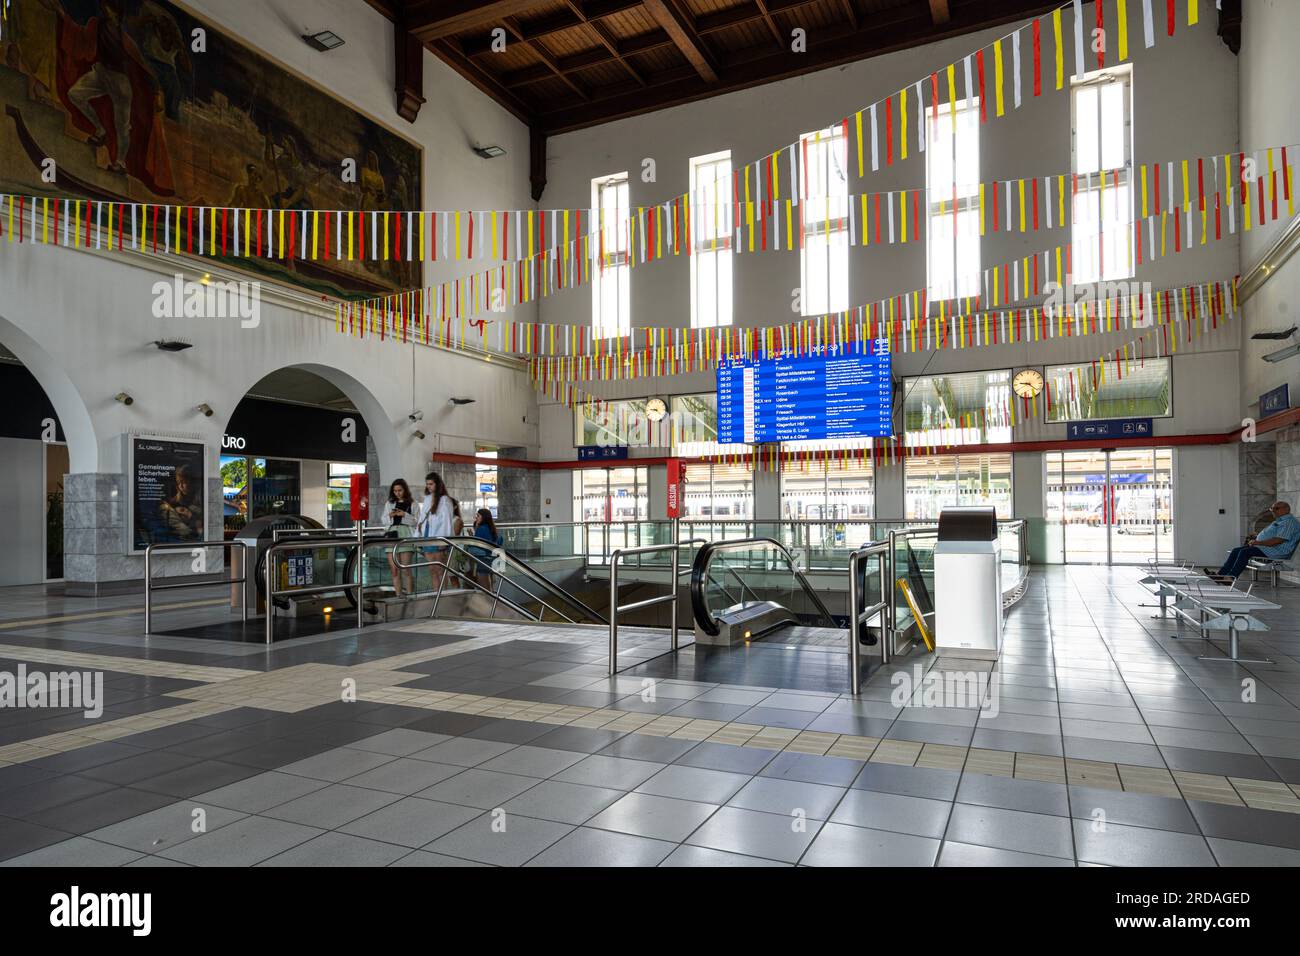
{"x": 419, "y": 435}
{"x": 462, "y": 401}
{"x": 489, "y": 152}
{"x": 124, "y": 398}
{"x": 205, "y": 409}
{"x": 172, "y": 345}
{"x": 324, "y": 41}
{"x": 416, "y": 416}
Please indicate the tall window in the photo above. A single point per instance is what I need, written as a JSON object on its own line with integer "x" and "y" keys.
{"x": 611, "y": 311}
{"x": 1103, "y": 163}
{"x": 485, "y": 481}
{"x": 952, "y": 173}
{"x": 711, "y": 235}
{"x": 824, "y": 265}
{"x": 718, "y": 490}
{"x": 934, "y": 482}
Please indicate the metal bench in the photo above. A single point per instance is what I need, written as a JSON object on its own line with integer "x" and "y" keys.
{"x": 1219, "y": 607}
{"x": 1162, "y": 580}
{"x": 1273, "y": 566}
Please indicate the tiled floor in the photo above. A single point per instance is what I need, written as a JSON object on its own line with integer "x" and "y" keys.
{"x": 454, "y": 744}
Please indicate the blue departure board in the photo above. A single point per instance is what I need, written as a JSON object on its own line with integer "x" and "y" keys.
{"x": 846, "y": 394}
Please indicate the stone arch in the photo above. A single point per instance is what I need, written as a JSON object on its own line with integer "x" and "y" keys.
{"x": 74, "y": 417}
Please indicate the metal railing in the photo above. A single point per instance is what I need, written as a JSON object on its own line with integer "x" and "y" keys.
{"x": 495, "y": 595}
{"x": 700, "y": 576}
{"x": 615, "y": 609}
{"x": 881, "y": 551}
{"x": 150, "y": 586}
{"x": 273, "y": 551}
{"x": 455, "y": 544}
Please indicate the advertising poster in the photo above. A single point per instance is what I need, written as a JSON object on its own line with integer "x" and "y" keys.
{"x": 167, "y": 492}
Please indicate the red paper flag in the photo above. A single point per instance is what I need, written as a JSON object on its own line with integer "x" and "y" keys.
{"x": 1038, "y": 77}
{"x": 979, "y": 63}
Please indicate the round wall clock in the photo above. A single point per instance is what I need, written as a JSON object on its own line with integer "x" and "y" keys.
{"x": 1027, "y": 383}
{"x": 655, "y": 409}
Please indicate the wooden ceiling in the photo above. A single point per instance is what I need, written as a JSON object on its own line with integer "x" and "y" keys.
{"x": 567, "y": 64}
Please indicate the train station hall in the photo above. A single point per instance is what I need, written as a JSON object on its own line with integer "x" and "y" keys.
{"x": 651, "y": 433}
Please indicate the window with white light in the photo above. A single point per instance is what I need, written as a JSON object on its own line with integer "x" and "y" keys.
{"x": 611, "y": 310}
{"x": 711, "y": 232}
{"x": 824, "y": 263}
{"x": 1102, "y": 119}
{"x": 952, "y": 171}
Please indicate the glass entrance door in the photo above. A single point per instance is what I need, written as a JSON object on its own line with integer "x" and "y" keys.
{"x": 1109, "y": 507}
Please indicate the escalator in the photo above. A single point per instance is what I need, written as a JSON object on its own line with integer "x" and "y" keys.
{"x": 751, "y": 590}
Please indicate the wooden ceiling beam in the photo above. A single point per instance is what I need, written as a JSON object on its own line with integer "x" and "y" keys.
{"x": 770, "y": 23}
{"x": 766, "y": 10}
{"x": 434, "y": 19}
{"x": 605, "y": 39}
{"x": 542, "y": 54}
{"x": 939, "y": 12}
{"x": 850, "y": 13}
{"x": 682, "y": 31}
{"x": 908, "y": 28}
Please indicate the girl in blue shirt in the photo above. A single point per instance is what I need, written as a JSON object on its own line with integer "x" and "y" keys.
{"x": 486, "y": 530}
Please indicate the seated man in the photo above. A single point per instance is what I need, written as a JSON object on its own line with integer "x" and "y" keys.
{"x": 1278, "y": 540}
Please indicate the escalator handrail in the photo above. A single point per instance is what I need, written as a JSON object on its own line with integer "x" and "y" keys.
{"x": 700, "y": 574}
{"x": 518, "y": 564}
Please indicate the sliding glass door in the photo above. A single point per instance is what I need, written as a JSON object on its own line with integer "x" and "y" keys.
{"x": 1109, "y": 507}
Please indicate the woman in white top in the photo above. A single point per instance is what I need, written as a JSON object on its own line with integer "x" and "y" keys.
{"x": 436, "y": 514}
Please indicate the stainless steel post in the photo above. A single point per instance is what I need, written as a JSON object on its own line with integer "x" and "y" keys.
{"x": 148, "y": 591}
{"x": 854, "y": 683}
{"x": 888, "y": 585}
{"x": 361, "y": 573}
{"x": 244, "y": 577}
{"x": 676, "y": 547}
{"x": 270, "y": 590}
{"x": 613, "y": 614}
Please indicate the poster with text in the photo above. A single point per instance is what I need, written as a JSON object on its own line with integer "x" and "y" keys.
{"x": 167, "y": 491}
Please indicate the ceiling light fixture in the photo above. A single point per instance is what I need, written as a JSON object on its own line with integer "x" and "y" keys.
{"x": 489, "y": 152}
{"x": 172, "y": 345}
{"x": 324, "y": 41}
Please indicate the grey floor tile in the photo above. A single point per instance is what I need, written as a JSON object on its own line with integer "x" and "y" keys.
{"x": 893, "y": 812}
{"x": 1045, "y": 744}
{"x": 1010, "y": 830}
{"x": 1113, "y": 751}
{"x": 661, "y": 818}
{"x": 812, "y": 768}
{"x": 500, "y": 840}
{"x": 244, "y": 843}
{"x": 338, "y": 849}
{"x": 485, "y": 789}
{"x": 774, "y": 795}
{"x": 266, "y": 790}
{"x": 704, "y": 857}
{"x": 618, "y": 773}
{"x": 585, "y": 740}
{"x": 79, "y": 851}
{"x": 1195, "y": 760}
{"x": 337, "y": 764}
{"x": 662, "y": 750}
{"x": 166, "y": 826}
{"x": 1131, "y": 809}
{"x": 712, "y": 756}
{"x": 1236, "y": 853}
{"x": 529, "y": 761}
{"x": 967, "y": 854}
{"x": 1012, "y": 794}
{"x": 752, "y": 833}
{"x": 589, "y": 847}
{"x": 424, "y": 858}
{"x": 405, "y": 775}
{"x": 909, "y": 781}
{"x": 332, "y": 806}
{"x": 1247, "y": 824}
{"x": 464, "y": 751}
{"x": 694, "y": 783}
{"x": 562, "y": 802}
{"x": 841, "y": 845}
{"x": 411, "y": 822}
{"x": 1118, "y": 845}
{"x": 399, "y": 742}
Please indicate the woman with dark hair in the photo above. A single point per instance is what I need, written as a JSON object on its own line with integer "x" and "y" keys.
{"x": 401, "y": 521}
{"x": 486, "y": 530}
{"x": 436, "y": 514}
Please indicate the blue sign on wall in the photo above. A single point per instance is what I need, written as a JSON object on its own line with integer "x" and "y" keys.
{"x": 602, "y": 452}
{"x": 1110, "y": 428}
{"x": 1274, "y": 400}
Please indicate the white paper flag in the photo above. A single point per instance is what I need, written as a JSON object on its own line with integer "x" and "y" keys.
{"x": 875, "y": 147}
{"x": 1079, "y": 66}
{"x": 1148, "y": 24}
{"x": 1015, "y": 68}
